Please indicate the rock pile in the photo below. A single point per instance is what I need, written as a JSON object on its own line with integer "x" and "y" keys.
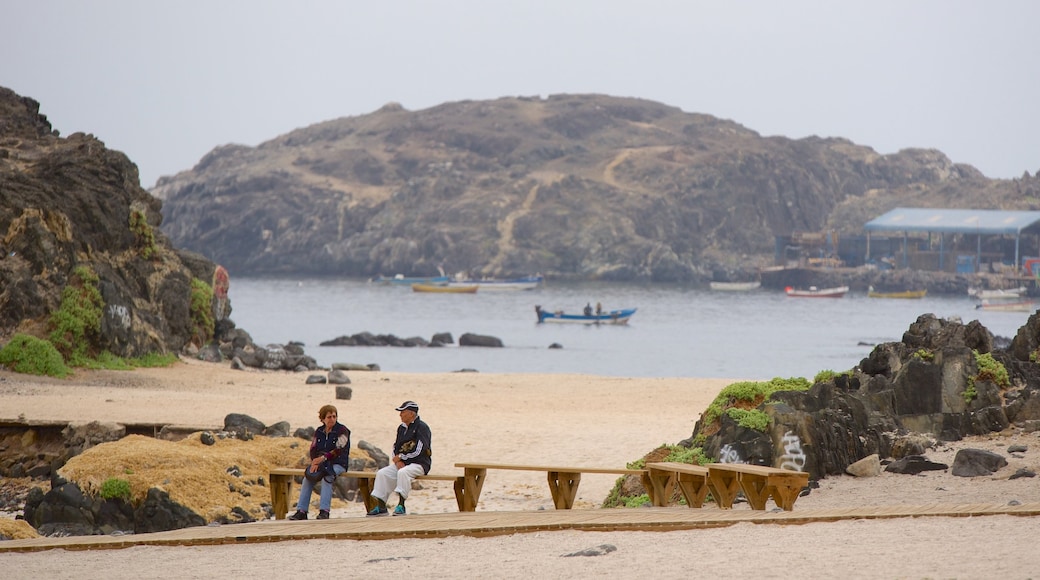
{"x": 944, "y": 381}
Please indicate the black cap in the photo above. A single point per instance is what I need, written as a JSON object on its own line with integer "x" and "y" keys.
{"x": 409, "y": 405}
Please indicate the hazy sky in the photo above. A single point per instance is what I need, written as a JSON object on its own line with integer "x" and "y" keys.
{"x": 166, "y": 82}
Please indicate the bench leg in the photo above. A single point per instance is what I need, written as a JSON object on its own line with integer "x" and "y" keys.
{"x": 364, "y": 487}
{"x": 281, "y": 487}
{"x": 563, "y": 485}
{"x": 468, "y": 487}
{"x": 787, "y": 488}
{"x": 694, "y": 488}
{"x": 724, "y": 487}
{"x": 651, "y": 492}
{"x": 755, "y": 489}
{"x": 661, "y": 484}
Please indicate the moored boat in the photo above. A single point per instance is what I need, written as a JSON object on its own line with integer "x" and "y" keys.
{"x": 734, "y": 286}
{"x": 1014, "y": 294}
{"x": 444, "y": 289}
{"x": 814, "y": 292}
{"x": 525, "y": 283}
{"x": 400, "y": 280}
{"x": 1008, "y": 305}
{"x": 871, "y": 293}
{"x": 620, "y": 316}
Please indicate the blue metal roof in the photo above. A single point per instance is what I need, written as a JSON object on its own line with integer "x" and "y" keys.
{"x": 956, "y": 221}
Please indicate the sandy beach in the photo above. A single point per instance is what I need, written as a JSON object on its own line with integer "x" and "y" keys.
{"x": 536, "y": 419}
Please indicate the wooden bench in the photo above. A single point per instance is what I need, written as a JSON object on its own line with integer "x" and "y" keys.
{"x": 691, "y": 479}
{"x": 758, "y": 483}
{"x": 281, "y": 480}
{"x": 563, "y": 481}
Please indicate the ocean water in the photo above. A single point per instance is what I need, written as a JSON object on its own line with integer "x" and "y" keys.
{"x": 676, "y": 332}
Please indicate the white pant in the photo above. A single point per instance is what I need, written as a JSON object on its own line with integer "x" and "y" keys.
{"x": 390, "y": 478}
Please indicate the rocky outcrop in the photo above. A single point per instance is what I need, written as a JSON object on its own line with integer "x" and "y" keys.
{"x": 71, "y": 202}
{"x": 943, "y": 381}
{"x": 572, "y": 186}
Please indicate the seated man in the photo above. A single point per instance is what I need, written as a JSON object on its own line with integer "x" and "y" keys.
{"x": 412, "y": 457}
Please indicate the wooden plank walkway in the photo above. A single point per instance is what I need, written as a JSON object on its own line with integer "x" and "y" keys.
{"x": 481, "y": 524}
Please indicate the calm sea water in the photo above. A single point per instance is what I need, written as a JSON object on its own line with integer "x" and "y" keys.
{"x": 677, "y": 331}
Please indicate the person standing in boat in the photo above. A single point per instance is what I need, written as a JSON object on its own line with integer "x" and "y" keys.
{"x": 588, "y": 309}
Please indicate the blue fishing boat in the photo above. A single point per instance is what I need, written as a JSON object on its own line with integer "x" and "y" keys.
{"x": 604, "y": 317}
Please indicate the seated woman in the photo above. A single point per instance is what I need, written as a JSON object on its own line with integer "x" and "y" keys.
{"x": 330, "y": 456}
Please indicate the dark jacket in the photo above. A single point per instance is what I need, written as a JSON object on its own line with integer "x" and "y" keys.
{"x": 334, "y": 446}
{"x": 413, "y": 444}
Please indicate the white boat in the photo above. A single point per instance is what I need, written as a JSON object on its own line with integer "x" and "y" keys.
{"x": 999, "y": 294}
{"x": 734, "y": 286}
{"x": 814, "y": 292}
{"x": 491, "y": 284}
{"x": 1007, "y": 305}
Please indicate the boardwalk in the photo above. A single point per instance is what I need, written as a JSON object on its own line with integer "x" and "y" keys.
{"x": 481, "y": 524}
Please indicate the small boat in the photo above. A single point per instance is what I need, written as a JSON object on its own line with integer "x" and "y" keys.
{"x": 444, "y": 289}
{"x": 525, "y": 283}
{"x": 1015, "y": 294}
{"x": 606, "y": 317}
{"x": 1007, "y": 305}
{"x": 871, "y": 293}
{"x": 814, "y": 292}
{"x": 400, "y": 280}
{"x": 735, "y": 286}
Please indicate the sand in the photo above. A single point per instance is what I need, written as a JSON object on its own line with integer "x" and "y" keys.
{"x": 535, "y": 419}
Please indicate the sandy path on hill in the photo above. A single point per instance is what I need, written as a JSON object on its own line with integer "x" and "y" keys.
{"x": 536, "y": 419}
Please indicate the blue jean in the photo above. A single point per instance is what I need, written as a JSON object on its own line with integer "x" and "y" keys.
{"x": 325, "y": 503}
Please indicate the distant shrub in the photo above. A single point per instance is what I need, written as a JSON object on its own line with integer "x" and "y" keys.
{"x": 33, "y": 356}
{"x": 680, "y": 454}
{"x": 153, "y": 360}
{"x": 201, "y": 311}
{"x": 637, "y": 501}
{"x": 143, "y": 234}
{"x": 925, "y": 355}
{"x": 115, "y": 488}
{"x": 77, "y": 322}
{"x": 990, "y": 369}
{"x": 749, "y": 418}
{"x": 824, "y": 376}
{"x": 108, "y": 361}
{"x": 751, "y": 393}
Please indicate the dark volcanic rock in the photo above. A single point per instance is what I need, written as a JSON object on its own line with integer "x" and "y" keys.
{"x": 470, "y": 339}
{"x": 976, "y": 462}
{"x": 898, "y": 402}
{"x": 68, "y": 203}
{"x": 914, "y": 464}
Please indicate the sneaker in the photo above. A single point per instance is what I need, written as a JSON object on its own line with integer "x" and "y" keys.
{"x": 323, "y": 514}
{"x": 299, "y": 515}
{"x": 379, "y": 511}
{"x": 400, "y": 511}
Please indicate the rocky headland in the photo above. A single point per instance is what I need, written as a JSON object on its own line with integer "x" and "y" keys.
{"x": 571, "y": 186}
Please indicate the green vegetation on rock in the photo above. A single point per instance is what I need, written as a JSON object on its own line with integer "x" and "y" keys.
{"x": 750, "y": 394}
{"x": 115, "y": 488}
{"x": 77, "y": 322}
{"x": 143, "y": 234}
{"x": 33, "y": 356}
{"x": 749, "y": 418}
{"x": 990, "y": 369}
{"x": 201, "y": 311}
